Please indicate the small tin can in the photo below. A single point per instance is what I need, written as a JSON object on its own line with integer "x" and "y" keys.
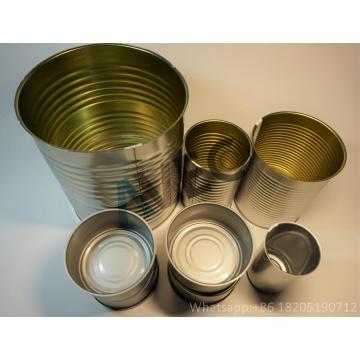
{"x": 111, "y": 255}
{"x": 290, "y": 251}
{"x": 209, "y": 247}
{"x": 216, "y": 154}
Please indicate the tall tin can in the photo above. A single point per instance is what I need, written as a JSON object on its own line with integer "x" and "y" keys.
{"x": 216, "y": 155}
{"x": 295, "y": 155}
{"x": 108, "y": 119}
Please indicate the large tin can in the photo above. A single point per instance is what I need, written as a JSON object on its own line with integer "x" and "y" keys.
{"x": 111, "y": 255}
{"x": 108, "y": 119}
{"x": 216, "y": 154}
{"x": 295, "y": 155}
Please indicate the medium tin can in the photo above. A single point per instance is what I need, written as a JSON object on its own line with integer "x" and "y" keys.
{"x": 111, "y": 255}
{"x": 216, "y": 154}
{"x": 295, "y": 155}
{"x": 209, "y": 247}
{"x": 290, "y": 251}
{"x": 108, "y": 119}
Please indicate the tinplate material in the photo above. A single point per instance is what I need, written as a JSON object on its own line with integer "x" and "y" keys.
{"x": 216, "y": 154}
{"x": 198, "y": 297}
{"x": 209, "y": 247}
{"x": 289, "y": 252}
{"x": 111, "y": 255}
{"x": 295, "y": 155}
{"x": 108, "y": 119}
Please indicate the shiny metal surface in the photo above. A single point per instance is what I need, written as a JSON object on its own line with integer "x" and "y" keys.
{"x": 198, "y": 297}
{"x": 111, "y": 255}
{"x": 289, "y": 251}
{"x": 108, "y": 119}
{"x": 295, "y": 155}
{"x": 209, "y": 247}
{"x": 216, "y": 154}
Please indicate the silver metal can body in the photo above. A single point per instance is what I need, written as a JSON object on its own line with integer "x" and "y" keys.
{"x": 109, "y": 121}
{"x": 209, "y": 247}
{"x": 111, "y": 255}
{"x": 195, "y": 296}
{"x": 289, "y": 252}
{"x": 295, "y": 155}
{"x": 216, "y": 154}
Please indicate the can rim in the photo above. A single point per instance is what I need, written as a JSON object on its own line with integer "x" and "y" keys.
{"x": 229, "y": 282}
{"x": 226, "y": 172}
{"x": 299, "y": 226}
{"x": 282, "y": 176}
{"x": 73, "y": 49}
{"x": 107, "y": 295}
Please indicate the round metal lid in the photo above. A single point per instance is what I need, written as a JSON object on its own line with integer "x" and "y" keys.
{"x": 206, "y": 252}
{"x": 115, "y": 260}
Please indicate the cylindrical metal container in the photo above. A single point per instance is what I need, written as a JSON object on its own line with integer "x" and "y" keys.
{"x": 216, "y": 154}
{"x": 108, "y": 119}
{"x": 195, "y": 296}
{"x": 111, "y": 255}
{"x": 209, "y": 247}
{"x": 289, "y": 251}
{"x": 295, "y": 155}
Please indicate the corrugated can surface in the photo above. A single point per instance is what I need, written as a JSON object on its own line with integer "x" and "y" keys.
{"x": 109, "y": 121}
{"x": 295, "y": 155}
{"x": 216, "y": 154}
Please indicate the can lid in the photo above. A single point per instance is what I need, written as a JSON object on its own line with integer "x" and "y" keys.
{"x": 206, "y": 252}
{"x": 115, "y": 260}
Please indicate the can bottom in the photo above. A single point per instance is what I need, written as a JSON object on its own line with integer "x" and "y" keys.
{"x": 149, "y": 290}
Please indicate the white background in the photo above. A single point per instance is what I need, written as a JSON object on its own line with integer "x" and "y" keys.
{"x": 239, "y": 83}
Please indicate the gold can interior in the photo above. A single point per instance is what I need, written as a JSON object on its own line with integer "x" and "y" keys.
{"x": 300, "y": 147}
{"x": 101, "y": 97}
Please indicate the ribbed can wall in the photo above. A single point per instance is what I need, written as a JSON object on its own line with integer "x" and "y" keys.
{"x": 295, "y": 155}
{"x": 216, "y": 154}
{"x": 108, "y": 119}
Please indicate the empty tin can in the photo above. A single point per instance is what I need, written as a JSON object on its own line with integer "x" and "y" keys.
{"x": 289, "y": 251}
{"x": 209, "y": 248}
{"x": 108, "y": 119}
{"x": 111, "y": 255}
{"x": 295, "y": 155}
{"x": 216, "y": 154}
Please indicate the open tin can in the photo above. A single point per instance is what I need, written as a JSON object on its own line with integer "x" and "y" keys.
{"x": 209, "y": 248}
{"x": 295, "y": 155}
{"x": 216, "y": 155}
{"x": 290, "y": 251}
{"x": 111, "y": 255}
{"x": 108, "y": 119}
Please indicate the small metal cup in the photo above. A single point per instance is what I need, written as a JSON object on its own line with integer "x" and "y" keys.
{"x": 216, "y": 154}
{"x": 209, "y": 247}
{"x": 111, "y": 255}
{"x": 290, "y": 251}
